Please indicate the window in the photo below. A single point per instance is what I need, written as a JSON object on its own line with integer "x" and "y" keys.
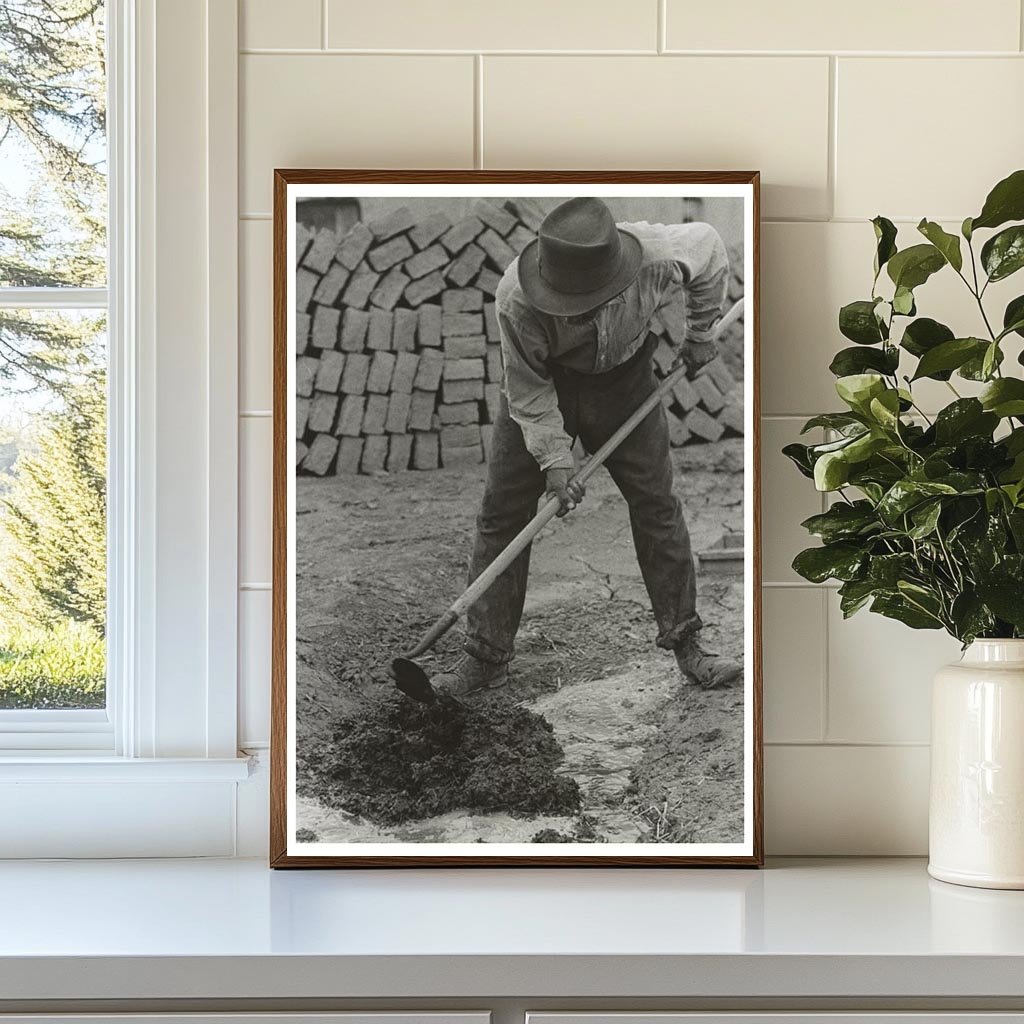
{"x": 53, "y": 371}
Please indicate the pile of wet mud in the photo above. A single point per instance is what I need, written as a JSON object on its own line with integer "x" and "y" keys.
{"x": 394, "y": 761}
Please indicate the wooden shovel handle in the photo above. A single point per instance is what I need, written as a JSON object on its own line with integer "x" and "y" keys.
{"x": 483, "y": 582}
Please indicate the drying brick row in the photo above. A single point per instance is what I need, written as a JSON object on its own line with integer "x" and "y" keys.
{"x": 398, "y": 356}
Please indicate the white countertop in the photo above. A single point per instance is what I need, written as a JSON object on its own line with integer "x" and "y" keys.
{"x": 234, "y": 929}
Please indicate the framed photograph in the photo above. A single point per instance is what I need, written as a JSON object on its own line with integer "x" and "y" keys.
{"x": 516, "y": 559}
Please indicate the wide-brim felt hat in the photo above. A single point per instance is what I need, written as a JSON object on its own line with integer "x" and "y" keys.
{"x": 579, "y": 260}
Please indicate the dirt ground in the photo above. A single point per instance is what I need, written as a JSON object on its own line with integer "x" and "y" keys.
{"x": 378, "y": 558}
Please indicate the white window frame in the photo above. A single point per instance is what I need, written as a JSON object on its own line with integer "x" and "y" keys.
{"x": 65, "y": 730}
{"x": 171, "y": 719}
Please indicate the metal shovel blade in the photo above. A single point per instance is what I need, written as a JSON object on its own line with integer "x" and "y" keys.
{"x": 412, "y": 680}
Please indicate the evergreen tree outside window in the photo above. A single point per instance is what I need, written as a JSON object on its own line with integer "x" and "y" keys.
{"x": 53, "y": 381}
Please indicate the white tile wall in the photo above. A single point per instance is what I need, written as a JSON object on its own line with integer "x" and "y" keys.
{"x": 256, "y": 302}
{"x": 472, "y": 25}
{"x": 873, "y": 25}
{"x": 254, "y": 609}
{"x": 261, "y": 24}
{"x": 329, "y": 110}
{"x": 698, "y": 113}
{"x": 907, "y": 109}
{"x": 945, "y": 104}
{"x": 255, "y": 510}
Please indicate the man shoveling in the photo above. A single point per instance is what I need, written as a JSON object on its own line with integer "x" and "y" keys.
{"x": 575, "y": 311}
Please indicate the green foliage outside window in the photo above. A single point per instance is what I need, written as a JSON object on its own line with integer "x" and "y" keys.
{"x": 52, "y": 365}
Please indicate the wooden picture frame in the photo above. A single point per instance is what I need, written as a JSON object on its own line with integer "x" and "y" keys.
{"x": 286, "y": 849}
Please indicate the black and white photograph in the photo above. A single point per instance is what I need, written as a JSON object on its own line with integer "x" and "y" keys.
{"x": 516, "y": 559}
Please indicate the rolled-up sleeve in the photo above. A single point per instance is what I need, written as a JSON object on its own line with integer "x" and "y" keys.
{"x": 699, "y": 262}
{"x": 532, "y": 400}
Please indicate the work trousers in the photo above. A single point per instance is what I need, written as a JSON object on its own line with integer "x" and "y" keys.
{"x": 593, "y": 406}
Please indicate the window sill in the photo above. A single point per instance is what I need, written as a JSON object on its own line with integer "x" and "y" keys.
{"x": 75, "y": 766}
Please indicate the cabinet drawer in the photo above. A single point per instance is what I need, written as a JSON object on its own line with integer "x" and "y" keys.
{"x": 360, "y": 1017}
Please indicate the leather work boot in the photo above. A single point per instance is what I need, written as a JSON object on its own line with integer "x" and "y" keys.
{"x": 471, "y": 675}
{"x": 706, "y": 669}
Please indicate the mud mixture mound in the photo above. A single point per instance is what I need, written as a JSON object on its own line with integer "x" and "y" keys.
{"x": 395, "y": 761}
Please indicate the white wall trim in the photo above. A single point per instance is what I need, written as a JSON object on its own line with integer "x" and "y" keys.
{"x": 222, "y": 388}
{"x": 123, "y": 769}
{"x": 173, "y": 467}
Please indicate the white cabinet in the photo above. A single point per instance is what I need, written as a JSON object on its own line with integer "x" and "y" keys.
{"x": 362, "y": 1017}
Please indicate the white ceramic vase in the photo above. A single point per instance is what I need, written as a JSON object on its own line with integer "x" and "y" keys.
{"x": 976, "y": 815}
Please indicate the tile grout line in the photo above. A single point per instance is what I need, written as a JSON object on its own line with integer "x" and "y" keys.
{"x": 257, "y": 215}
{"x": 824, "y": 723}
{"x": 478, "y": 111}
{"x": 1020, "y": 25}
{"x": 323, "y": 24}
{"x": 355, "y": 51}
{"x": 662, "y": 28}
{"x": 826, "y": 649}
{"x": 832, "y": 147}
{"x": 852, "y": 744}
{"x": 827, "y": 586}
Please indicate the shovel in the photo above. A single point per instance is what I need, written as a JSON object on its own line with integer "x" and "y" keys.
{"x": 409, "y": 677}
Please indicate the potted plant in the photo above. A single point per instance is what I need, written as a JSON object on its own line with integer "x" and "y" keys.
{"x": 926, "y": 524}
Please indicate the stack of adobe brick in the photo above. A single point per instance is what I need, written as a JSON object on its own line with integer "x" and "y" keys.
{"x": 709, "y": 405}
{"x": 397, "y": 345}
{"x": 398, "y": 357}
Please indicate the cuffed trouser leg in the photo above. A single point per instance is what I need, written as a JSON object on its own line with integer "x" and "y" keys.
{"x": 642, "y": 470}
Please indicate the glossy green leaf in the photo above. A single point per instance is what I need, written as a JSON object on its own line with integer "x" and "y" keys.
{"x": 859, "y": 359}
{"x": 904, "y": 495}
{"x": 923, "y": 335}
{"x": 862, "y": 448}
{"x": 1013, "y": 316}
{"x": 1003, "y": 254}
{"x": 885, "y": 239}
{"x": 854, "y": 595}
{"x": 971, "y": 616}
{"x": 818, "y": 450}
{"x": 925, "y": 518}
{"x": 842, "y": 521}
{"x": 832, "y": 420}
{"x": 899, "y": 608}
{"x": 885, "y": 571}
{"x": 1004, "y": 397}
{"x": 903, "y": 302}
{"x": 947, "y": 244}
{"x": 857, "y": 321}
{"x": 1005, "y": 202}
{"x": 950, "y": 355}
{"x": 831, "y": 471}
{"x": 974, "y": 368}
{"x": 965, "y": 229}
{"x": 1003, "y": 596}
{"x": 990, "y": 360}
{"x": 842, "y": 561}
{"x": 885, "y": 409}
{"x": 911, "y": 267}
{"x": 800, "y": 456}
{"x": 858, "y": 389}
{"x": 964, "y": 418}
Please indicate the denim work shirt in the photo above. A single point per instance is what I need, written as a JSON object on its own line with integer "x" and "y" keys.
{"x": 688, "y": 256}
